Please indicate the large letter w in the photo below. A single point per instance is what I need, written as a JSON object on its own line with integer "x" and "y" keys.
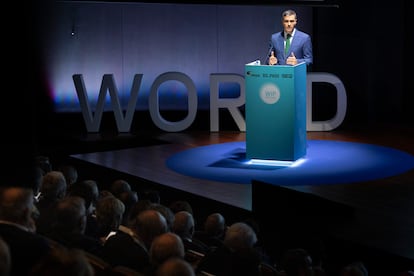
{"x": 108, "y": 84}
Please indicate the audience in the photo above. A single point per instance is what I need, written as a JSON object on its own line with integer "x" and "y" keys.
{"x": 43, "y": 231}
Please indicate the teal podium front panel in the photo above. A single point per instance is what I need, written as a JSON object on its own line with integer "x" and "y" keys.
{"x": 275, "y": 111}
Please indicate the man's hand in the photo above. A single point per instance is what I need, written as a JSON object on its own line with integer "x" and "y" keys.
{"x": 272, "y": 58}
{"x": 291, "y": 60}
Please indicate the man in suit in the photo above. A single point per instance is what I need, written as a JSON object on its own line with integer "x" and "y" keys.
{"x": 16, "y": 229}
{"x": 290, "y": 46}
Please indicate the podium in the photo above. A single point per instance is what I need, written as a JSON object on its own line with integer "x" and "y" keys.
{"x": 275, "y": 111}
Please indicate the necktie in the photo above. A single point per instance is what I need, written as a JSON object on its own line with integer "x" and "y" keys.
{"x": 287, "y": 45}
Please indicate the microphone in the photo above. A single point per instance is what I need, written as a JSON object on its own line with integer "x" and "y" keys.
{"x": 268, "y": 52}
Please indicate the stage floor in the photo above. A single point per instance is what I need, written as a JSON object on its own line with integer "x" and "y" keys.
{"x": 383, "y": 207}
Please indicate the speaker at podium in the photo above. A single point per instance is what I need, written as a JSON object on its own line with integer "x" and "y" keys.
{"x": 275, "y": 111}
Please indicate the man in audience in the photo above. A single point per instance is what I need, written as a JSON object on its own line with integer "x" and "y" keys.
{"x": 26, "y": 247}
{"x": 68, "y": 227}
{"x": 129, "y": 246}
{"x": 175, "y": 266}
{"x": 53, "y": 189}
{"x": 213, "y": 232}
{"x": 237, "y": 255}
{"x": 163, "y": 247}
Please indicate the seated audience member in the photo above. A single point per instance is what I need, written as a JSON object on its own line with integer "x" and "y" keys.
{"x": 237, "y": 255}
{"x": 175, "y": 267}
{"x": 354, "y": 269}
{"x": 119, "y": 186}
{"x": 109, "y": 213}
{"x": 52, "y": 190}
{"x": 165, "y": 211}
{"x": 63, "y": 262}
{"x": 70, "y": 172}
{"x": 129, "y": 246}
{"x": 213, "y": 230}
{"x": 151, "y": 195}
{"x": 68, "y": 228}
{"x": 184, "y": 227}
{"x": 26, "y": 247}
{"x": 181, "y": 205}
{"x": 89, "y": 191}
{"x": 163, "y": 247}
{"x": 296, "y": 262}
{"x": 129, "y": 199}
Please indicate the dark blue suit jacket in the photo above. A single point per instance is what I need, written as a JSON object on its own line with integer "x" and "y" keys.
{"x": 301, "y": 46}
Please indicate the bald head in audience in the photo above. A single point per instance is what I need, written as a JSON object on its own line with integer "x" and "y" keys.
{"x": 175, "y": 267}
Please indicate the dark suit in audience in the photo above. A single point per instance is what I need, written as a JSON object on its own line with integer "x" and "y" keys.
{"x": 213, "y": 230}
{"x": 69, "y": 226}
{"x": 52, "y": 190}
{"x": 129, "y": 246}
{"x": 26, "y": 247}
{"x": 237, "y": 256}
{"x": 184, "y": 226}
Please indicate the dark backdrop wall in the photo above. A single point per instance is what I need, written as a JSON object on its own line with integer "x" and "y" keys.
{"x": 357, "y": 42}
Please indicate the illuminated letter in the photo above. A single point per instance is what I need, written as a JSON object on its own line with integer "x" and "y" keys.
{"x": 340, "y": 104}
{"x": 153, "y": 104}
{"x": 108, "y": 84}
{"x": 232, "y": 104}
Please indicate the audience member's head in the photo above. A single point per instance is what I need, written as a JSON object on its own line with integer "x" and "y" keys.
{"x": 215, "y": 225}
{"x": 297, "y": 262}
{"x": 165, "y": 246}
{"x": 183, "y": 224}
{"x": 70, "y": 215}
{"x": 53, "y": 186}
{"x": 181, "y": 205}
{"x": 151, "y": 195}
{"x": 88, "y": 190}
{"x": 148, "y": 225}
{"x": 129, "y": 199}
{"x": 44, "y": 163}
{"x": 70, "y": 172}
{"x": 165, "y": 211}
{"x": 175, "y": 267}
{"x": 109, "y": 213}
{"x": 119, "y": 186}
{"x": 137, "y": 208}
{"x": 239, "y": 237}
{"x": 17, "y": 205}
